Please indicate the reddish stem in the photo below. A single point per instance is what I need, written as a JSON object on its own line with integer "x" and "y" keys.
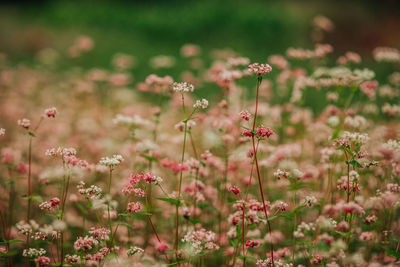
{"x": 158, "y": 238}
{"x": 259, "y": 80}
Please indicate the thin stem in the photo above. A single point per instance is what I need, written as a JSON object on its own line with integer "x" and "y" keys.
{"x": 64, "y": 199}
{"x": 108, "y": 203}
{"x": 259, "y": 80}
{"x": 28, "y": 216}
{"x": 179, "y": 192}
{"x": 294, "y": 229}
{"x": 158, "y": 238}
{"x": 6, "y": 238}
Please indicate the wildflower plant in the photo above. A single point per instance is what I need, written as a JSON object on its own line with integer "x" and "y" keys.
{"x": 293, "y": 162}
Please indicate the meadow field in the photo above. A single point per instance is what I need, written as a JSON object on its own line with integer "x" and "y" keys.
{"x": 199, "y": 134}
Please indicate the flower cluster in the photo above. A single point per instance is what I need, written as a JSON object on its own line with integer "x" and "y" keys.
{"x": 201, "y": 104}
{"x": 134, "y": 251}
{"x": 115, "y": 160}
{"x": 92, "y": 192}
{"x": 260, "y": 69}
{"x": 201, "y": 240}
{"x": 50, "y": 205}
{"x": 183, "y": 87}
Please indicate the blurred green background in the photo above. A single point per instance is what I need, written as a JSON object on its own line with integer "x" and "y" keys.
{"x": 253, "y": 28}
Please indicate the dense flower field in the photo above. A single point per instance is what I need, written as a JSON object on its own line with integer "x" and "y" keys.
{"x": 292, "y": 162}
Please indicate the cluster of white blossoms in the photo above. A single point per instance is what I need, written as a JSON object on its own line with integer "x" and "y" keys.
{"x": 326, "y": 223}
{"x": 201, "y": 104}
{"x": 2, "y": 131}
{"x": 92, "y": 192}
{"x": 183, "y": 87}
{"x": 357, "y": 122}
{"x": 33, "y": 252}
{"x": 386, "y": 54}
{"x": 391, "y": 144}
{"x": 130, "y": 120}
{"x": 74, "y": 259}
{"x": 310, "y": 201}
{"x": 391, "y": 110}
{"x": 364, "y": 74}
{"x": 60, "y": 151}
{"x": 268, "y": 262}
{"x": 157, "y": 180}
{"x": 303, "y": 228}
{"x": 24, "y": 228}
{"x": 115, "y": 160}
{"x": 134, "y": 250}
{"x": 278, "y": 174}
{"x": 357, "y": 138}
{"x": 201, "y": 240}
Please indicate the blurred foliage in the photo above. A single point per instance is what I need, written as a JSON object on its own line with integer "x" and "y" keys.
{"x": 253, "y": 28}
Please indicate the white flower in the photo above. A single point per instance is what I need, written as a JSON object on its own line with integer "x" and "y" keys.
{"x": 183, "y": 87}
{"x": 115, "y": 160}
{"x": 157, "y": 180}
{"x": 134, "y": 250}
{"x": 201, "y": 104}
{"x": 128, "y": 120}
{"x": 33, "y": 252}
{"x": 365, "y": 74}
{"x": 310, "y": 201}
{"x": 333, "y": 121}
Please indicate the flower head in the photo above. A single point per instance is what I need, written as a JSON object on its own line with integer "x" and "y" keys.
{"x": 260, "y": 69}
{"x": 183, "y": 87}
{"x": 51, "y": 112}
{"x": 25, "y": 123}
{"x": 115, "y": 160}
{"x": 201, "y": 104}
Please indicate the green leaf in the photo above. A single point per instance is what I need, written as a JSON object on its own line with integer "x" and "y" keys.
{"x": 82, "y": 208}
{"x": 8, "y": 254}
{"x": 149, "y": 158}
{"x": 124, "y": 214}
{"x": 175, "y": 263}
{"x": 143, "y": 213}
{"x": 208, "y": 206}
{"x": 31, "y": 133}
{"x": 297, "y": 208}
{"x": 36, "y": 198}
{"x": 354, "y": 163}
{"x": 247, "y": 257}
{"x": 123, "y": 223}
{"x": 192, "y": 221}
{"x": 298, "y": 185}
{"x": 283, "y": 215}
{"x": 169, "y": 200}
{"x": 12, "y": 241}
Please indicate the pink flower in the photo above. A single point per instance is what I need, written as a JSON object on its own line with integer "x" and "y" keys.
{"x": 264, "y": 132}
{"x": 54, "y": 202}
{"x": 42, "y": 261}
{"x": 247, "y": 133}
{"x": 370, "y": 219}
{"x": 234, "y": 190}
{"x": 366, "y": 236}
{"x": 252, "y": 244}
{"x": 134, "y": 207}
{"x": 162, "y": 247}
{"x": 25, "y": 123}
{"x": 369, "y": 88}
{"x": 21, "y": 168}
{"x": 245, "y": 115}
{"x": 51, "y": 112}
{"x": 260, "y": 69}
{"x": 72, "y": 160}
